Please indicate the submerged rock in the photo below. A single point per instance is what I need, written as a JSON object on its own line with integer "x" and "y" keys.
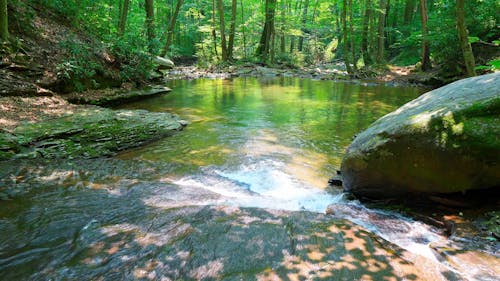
{"x": 88, "y": 133}
{"x": 445, "y": 141}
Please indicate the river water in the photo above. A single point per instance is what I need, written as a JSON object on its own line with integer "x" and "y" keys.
{"x": 270, "y": 144}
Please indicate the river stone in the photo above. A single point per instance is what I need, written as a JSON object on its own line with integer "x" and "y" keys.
{"x": 445, "y": 141}
{"x": 88, "y": 133}
{"x": 163, "y": 63}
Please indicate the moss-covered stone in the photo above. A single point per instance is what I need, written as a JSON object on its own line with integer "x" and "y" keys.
{"x": 88, "y": 133}
{"x": 443, "y": 142}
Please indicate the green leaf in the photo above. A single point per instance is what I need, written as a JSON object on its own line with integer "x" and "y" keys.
{"x": 495, "y": 64}
{"x": 473, "y": 39}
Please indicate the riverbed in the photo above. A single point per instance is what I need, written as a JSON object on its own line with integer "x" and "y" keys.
{"x": 239, "y": 195}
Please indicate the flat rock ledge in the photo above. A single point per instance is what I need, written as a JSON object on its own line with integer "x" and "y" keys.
{"x": 115, "y": 97}
{"x": 88, "y": 133}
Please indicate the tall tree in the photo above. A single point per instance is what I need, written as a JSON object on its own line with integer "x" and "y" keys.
{"x": 304, "y": 22}
{"x": 364, "y": 36}
{"x": 150, "y": 23}
{"x": 232, "y": 30}
{"x": 346, "y": 53}
{"x": 463, "y": 37}
{"x": 123, "y": 17}
{"x": 425, "y": 60}
{"x": 4, "y": 23}
{"x": 214, "y": 33}
{"x": 220, "y": 7}
{"x": 380, "y": 31}
{"x": 263, "y": 49}
{"x": 171, "y": 27}
{"x": 409, "y": 11}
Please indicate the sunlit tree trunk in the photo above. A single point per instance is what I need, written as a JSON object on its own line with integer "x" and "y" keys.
{"x": 364, "y": 37}
{"x": 171, "y": 27}
{"x": 123, "y": 17}
{"x": 380, "y": 31}
{"x": 150, "y": 23}
{"x": 4, "y": 23}
{"x": 220, "y": 7}
{"x": 463, "y": 36}
{"x": 232, "y": 30}
{"x": 263, "y": 49}
{"x": 426, "y": 61}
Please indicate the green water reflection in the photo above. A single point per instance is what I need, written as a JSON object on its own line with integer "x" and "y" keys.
{"x": 303, "y": 123}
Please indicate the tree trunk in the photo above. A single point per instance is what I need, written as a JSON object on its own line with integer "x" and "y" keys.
{"x": 171, "y": 27}
{"x": 351, "y": 37}
{"x": 426, "y": 61}
{"x": 123, "y": 17}
{"x": 232, "y": 30}
{"x": 4, "y": 22}
{"x": 265, "y": 41}
{"x": 220, "y": 7}
{"x": 346, "y": 41}
{"x": 409, "y": 11}
{"x": 364, "y": 37}
{"x": 243, "y": 32}
{"x": 214, "y": 33}
{"x": 303, "y": 27}
{"x": 380, "y": 31}
{"x": 463, "y": 37}
{"x": 150, "y": 23}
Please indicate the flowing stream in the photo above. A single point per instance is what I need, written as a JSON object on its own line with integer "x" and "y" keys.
{"x": 270, "y": 144}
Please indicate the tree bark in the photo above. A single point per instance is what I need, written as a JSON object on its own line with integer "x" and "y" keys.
{"x": 380, "y": 31}
{"x": 232, "y": 30}
{"x": 171, "y": 27}
{"x": 463, "y": 37}
{"x": 263, "y": 49}
{"x": 150, "y": 23}
{"x": 220, "y": 7}
{"x": 243, "y": 31}
{"x": 123, "y": 17}
{"x": 4, "y": 22}
{"x": 426, "y": 61}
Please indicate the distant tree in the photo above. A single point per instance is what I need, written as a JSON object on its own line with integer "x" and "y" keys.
{"x": 463, "y": 36}
{"x": 150, "y": 22}
{"x": 380, "y": 32}
{"x": 123, "y": 17}
{"x": 425, "y": 58}
{"x": 232, "y": 31}
{"x": 171, "y": 27}
{"x": 264, "y": 47}
{"x": 4, "y": 24}
{"x": 220, "y": 7}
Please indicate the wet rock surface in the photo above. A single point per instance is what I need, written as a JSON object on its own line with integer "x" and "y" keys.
{"x": 115, "y": 96}
{"x": 125, "y": 220}
{"x": 88, "y": 132}
{"x": 445, "y": 141}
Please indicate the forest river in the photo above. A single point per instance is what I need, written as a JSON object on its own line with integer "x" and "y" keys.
{"x": 240, "y": 194}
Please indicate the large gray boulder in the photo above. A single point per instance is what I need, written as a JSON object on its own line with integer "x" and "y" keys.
{"x": 445, "y": 141}
{"x": 163, "y": 63}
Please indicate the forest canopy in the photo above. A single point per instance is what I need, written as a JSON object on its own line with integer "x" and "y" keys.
{"x": 292, "y": 33}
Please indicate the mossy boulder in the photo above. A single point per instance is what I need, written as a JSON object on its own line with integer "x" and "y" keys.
{"x": 88, "y": 133}
{"x": 445, "y": 141}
